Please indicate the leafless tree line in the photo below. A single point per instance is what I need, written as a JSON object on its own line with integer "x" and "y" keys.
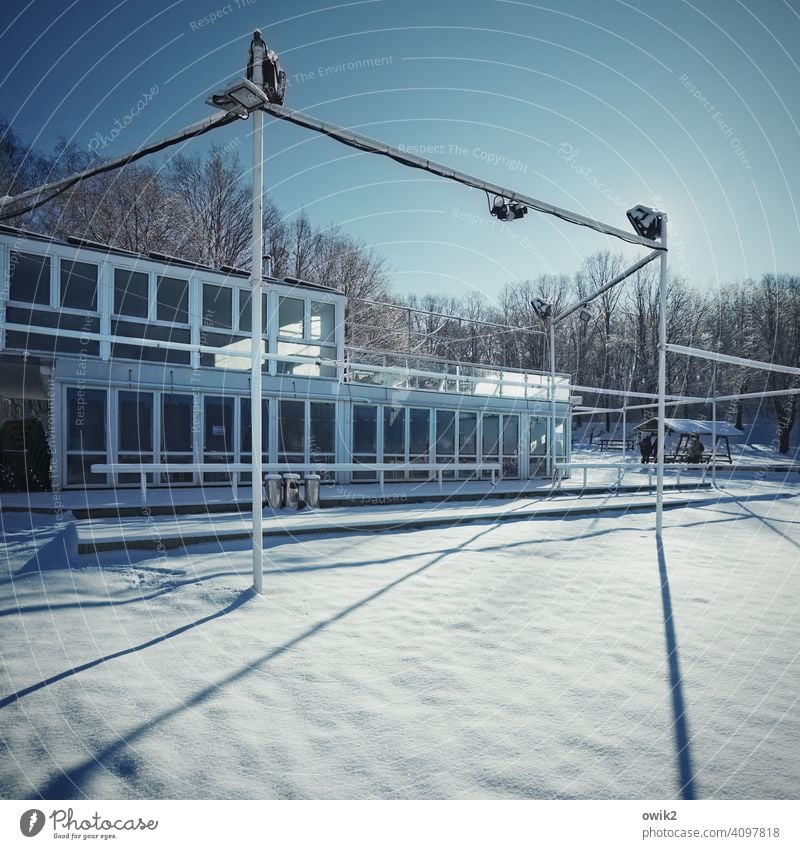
{"x": 199, "y": 208}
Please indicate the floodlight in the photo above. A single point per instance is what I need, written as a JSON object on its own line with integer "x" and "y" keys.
{"x": 507, "y": 211}
{"x": 646, "y": 221}
{"x": 240, "y": 96}
{"x": 585, "y": 315}
{"x": 542, "y": 308}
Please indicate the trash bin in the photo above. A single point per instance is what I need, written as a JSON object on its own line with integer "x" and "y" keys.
{"x": 312, "y": 490}
{"x": 274, "y": 491}
{"x": 291, "y": 490}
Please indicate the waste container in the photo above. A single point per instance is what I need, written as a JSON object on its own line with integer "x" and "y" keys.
{"x": 274, "y": 491}
{"x": 312, "y": 490}
{"x": 291, "y": 490}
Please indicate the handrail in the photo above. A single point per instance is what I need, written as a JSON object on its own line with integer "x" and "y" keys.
{"x": 381, "y": 468}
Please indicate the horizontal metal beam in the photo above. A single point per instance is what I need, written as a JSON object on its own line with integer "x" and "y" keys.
{"x": 727, "y": 358}
{"x": 370, "y": 145}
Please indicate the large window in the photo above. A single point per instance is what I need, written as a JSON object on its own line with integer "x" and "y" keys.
{"x": 78, "y": 285}
{"x": 394, "y": 437}
{"x": 490, "y": 440}
{"x": 510, "y": 446}
{"x": 217, "y": 306}
{"x": 86, "y": 435}
{"x": 419, "y": 439}
{"x": 30, "y": 278}
{"x": 172, "y": 300}
{"x": 538, "y": 445}
{"x": 308, "y": 330}
{"x": 365, "y": 438}
{"x": 322, "y": 433}
{"x": 323, "y": 322}
{"x": 246, "y": 311}
{"x": 135, "y": 431}
{"x": 176, "y": 434}
{"x": 290, "y": 317}
{"x": 468, "y": 440}
{"x": 291, "y": 432}
{"x": 131, "y": 293}
{"x": 445, "y": 438}
{"x": 218, "y": 434}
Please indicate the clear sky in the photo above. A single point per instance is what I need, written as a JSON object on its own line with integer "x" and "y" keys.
{"x": 591, "y": 104}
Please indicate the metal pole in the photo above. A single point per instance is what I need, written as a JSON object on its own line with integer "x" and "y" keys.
{"x": 714, "y": 426}
{"x": 662, "y": 377}
{"x": 624, "y": 411}
{"x": 256, "y": 273}
{"x": 551, "y": 454}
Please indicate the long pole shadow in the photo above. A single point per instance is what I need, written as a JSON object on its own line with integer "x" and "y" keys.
{"x": 68, "y": 784}
{"x": 682, "y": 746}
{"x": 75, "y": 670}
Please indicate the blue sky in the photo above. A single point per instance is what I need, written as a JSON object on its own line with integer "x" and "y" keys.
{"x": 594, "y": 105}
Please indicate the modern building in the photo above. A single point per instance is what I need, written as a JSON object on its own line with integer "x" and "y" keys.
{"x": 146, "y": 358}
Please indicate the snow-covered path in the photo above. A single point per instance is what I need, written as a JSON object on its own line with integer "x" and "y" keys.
{"x": 523, "y": 659}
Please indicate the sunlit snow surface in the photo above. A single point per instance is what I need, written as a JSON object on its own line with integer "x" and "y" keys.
{"x": 522, "y": 659}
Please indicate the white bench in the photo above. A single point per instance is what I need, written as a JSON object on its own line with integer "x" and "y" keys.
{"x": 438, "y": 469}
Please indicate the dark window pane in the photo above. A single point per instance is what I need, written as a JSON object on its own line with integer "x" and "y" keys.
{"x": 172, "y": 300}
{"x": 291, "y": 427}
{"x": 79, "y": 285}
{"x": 217, "y": 306}
{"x": 135, "y": 421}
{"x": 131, "y": 293}
{"x": 510, "y": 435}
{"x": 365, "y": 432}
{"x": 30, "y": 278}
{"x": 246, "y": 430}
{"x": 290, "y": 317}
{"x": 86, "y": 428}
{"x": 176, "y": 423}
{"x": 418, "y": 433}
{"x": 467, "y": 424}
{"x": 323, "y": 321}
{"x": 491, "y": 436}
{"x": 218, "y": 424}
{"x": 246, "y": 313}
{"x": 394, "y": 430}
{"x": 445, "y": 432}
{"x": 323, "y": 429}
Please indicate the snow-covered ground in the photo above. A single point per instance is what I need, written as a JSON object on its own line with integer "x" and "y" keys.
{"x": 540, "y": 658}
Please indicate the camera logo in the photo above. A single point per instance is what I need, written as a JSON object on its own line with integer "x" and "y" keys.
{"x": 31, "y": 822}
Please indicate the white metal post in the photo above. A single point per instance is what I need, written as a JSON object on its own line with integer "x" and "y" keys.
{"x": 662, "y": 376}
{"x": 551, "y": 453}
{"x": 256, "y": 273}
{"x": 714, "y": 425}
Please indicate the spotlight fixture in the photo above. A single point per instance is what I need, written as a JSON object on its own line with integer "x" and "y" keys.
{"x": 584, "y": 315}
{"x": 503, "y": 211}
{"x": 646, "y": 221}
{"x": 542, "y": 308}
